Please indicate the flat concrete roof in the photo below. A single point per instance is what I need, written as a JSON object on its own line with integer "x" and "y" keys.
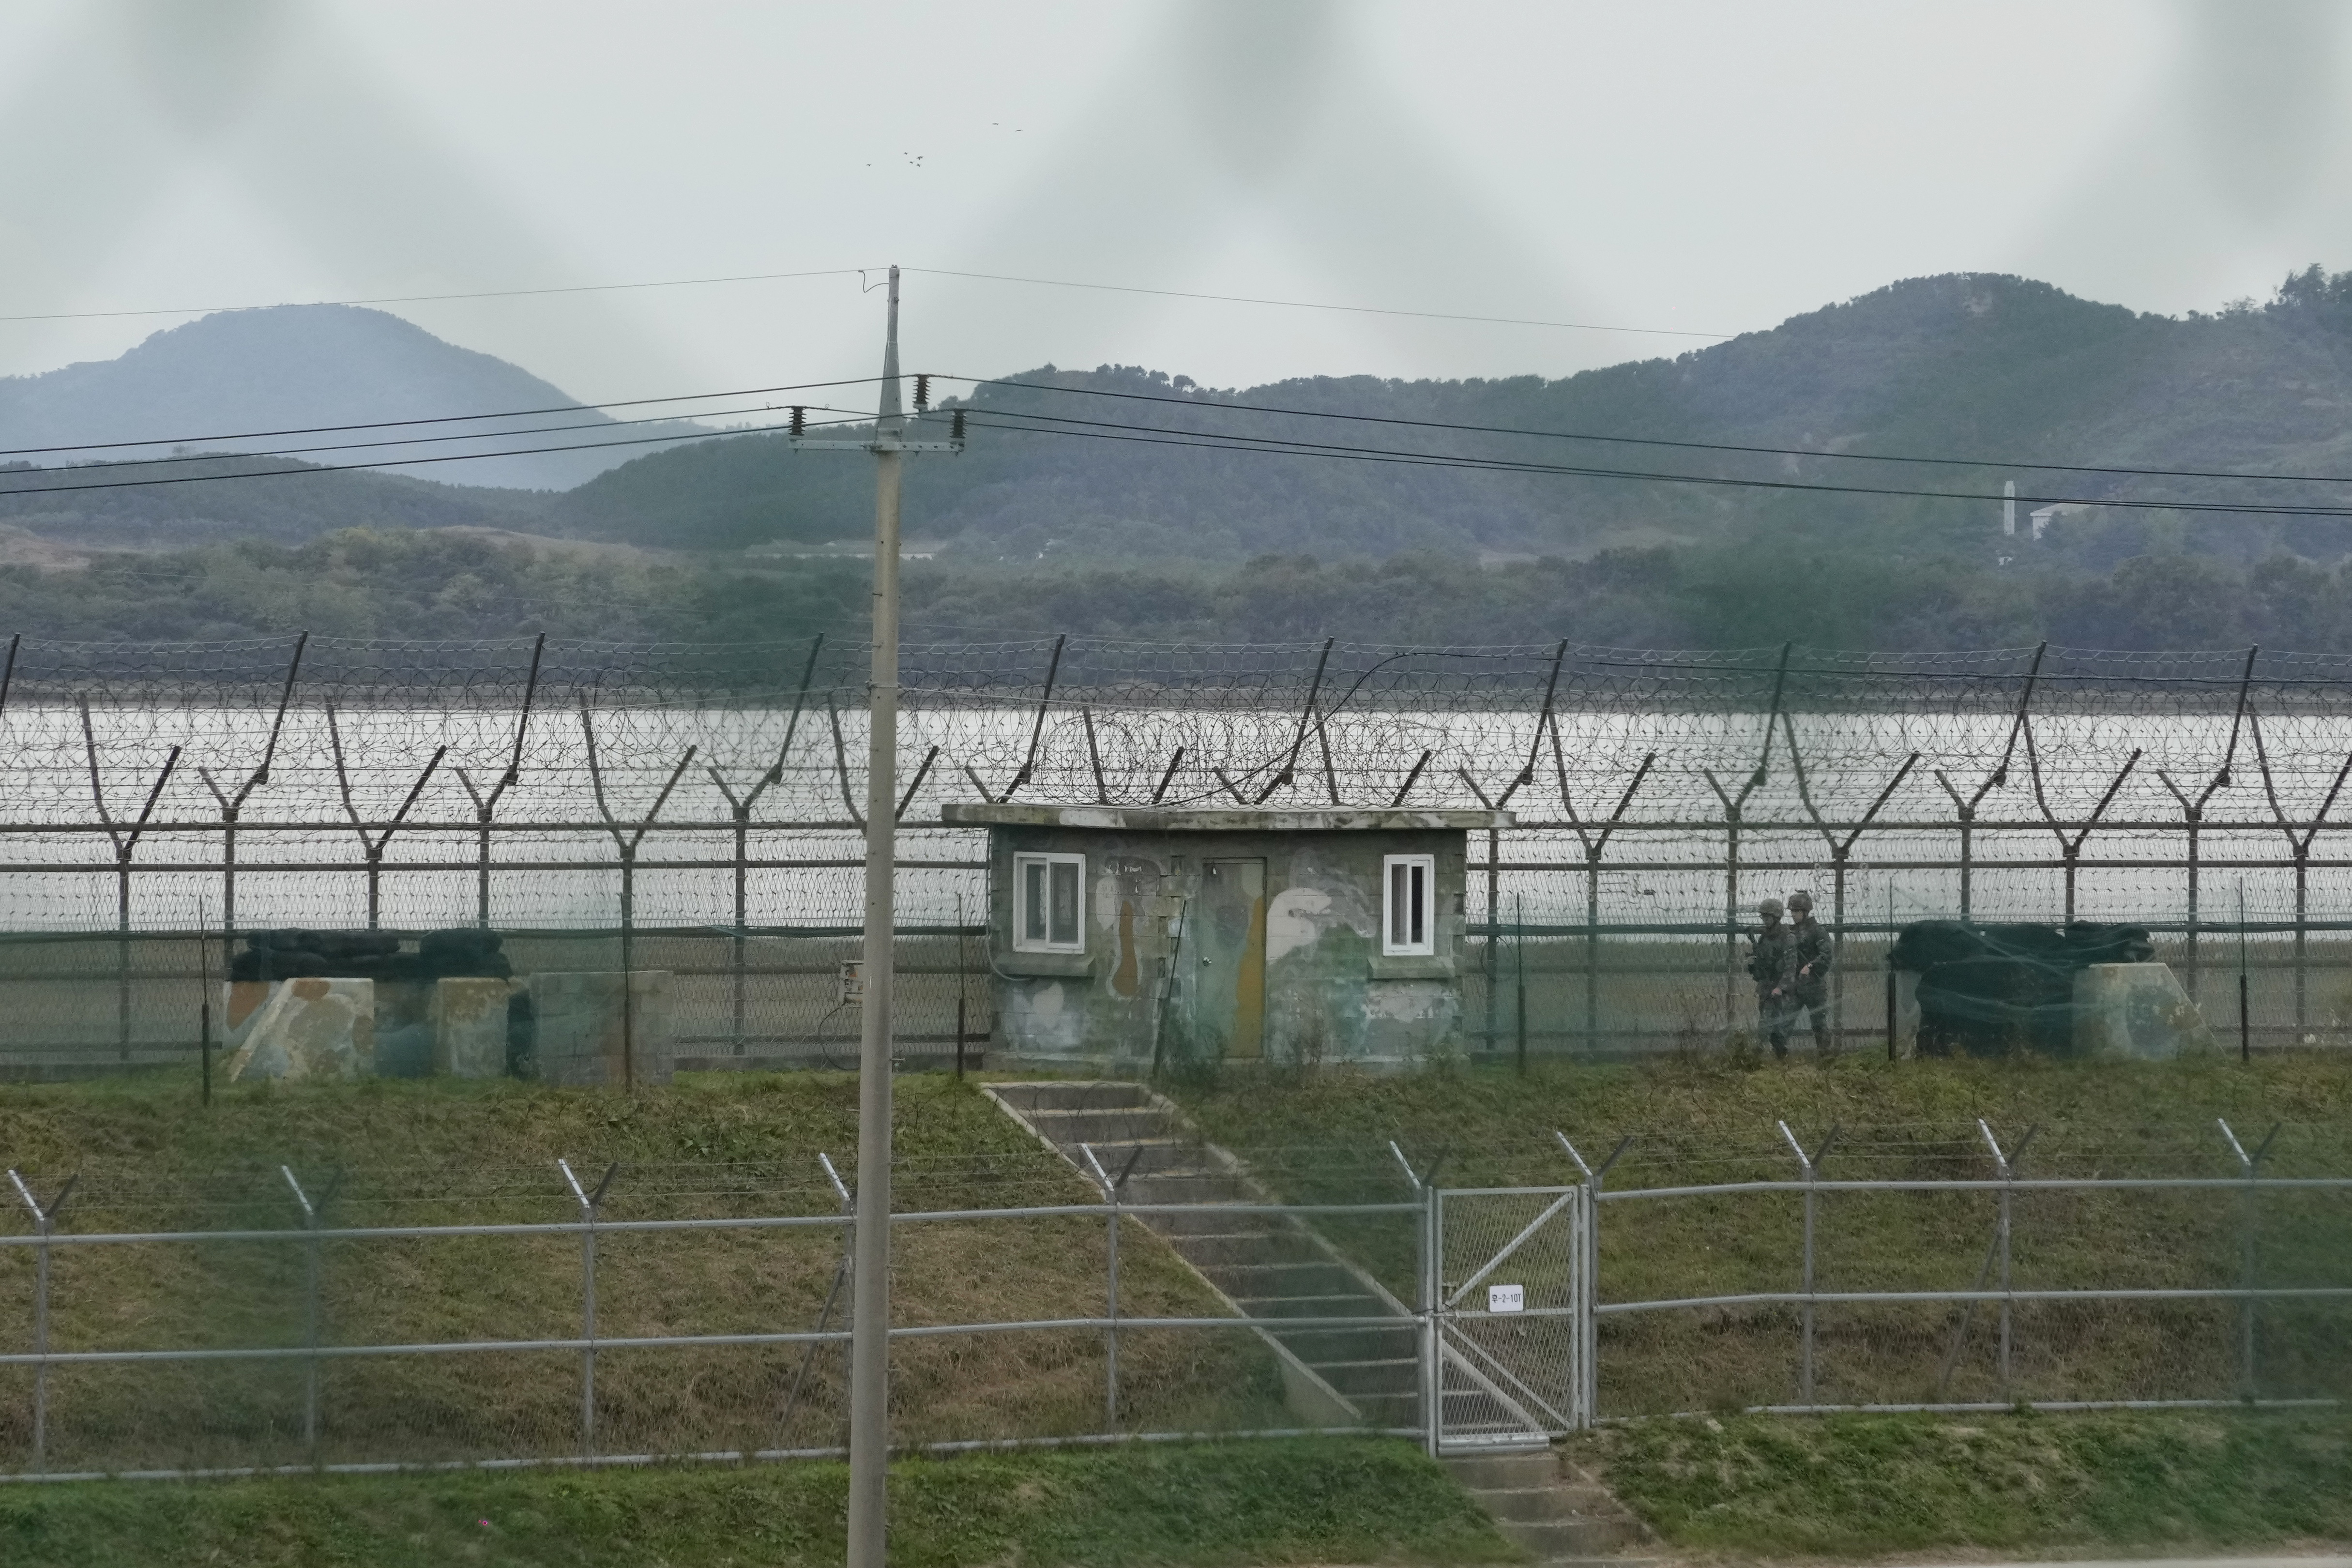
{"x": 1158, "y": 819}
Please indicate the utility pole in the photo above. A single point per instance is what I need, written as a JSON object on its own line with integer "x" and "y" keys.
{"x": 869, "y": 1324}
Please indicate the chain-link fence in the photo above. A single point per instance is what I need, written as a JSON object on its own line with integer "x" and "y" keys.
{"x": 703, "y": 801}
{"x": 595, "y": 1315}
{"x": 273, "y": 1319}
{"x": 2023, "y": 1283}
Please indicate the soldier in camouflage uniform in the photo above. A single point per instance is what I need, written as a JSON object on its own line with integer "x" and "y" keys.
{"x": 1772, "y": 964}
{"x": 1811, "y": 986}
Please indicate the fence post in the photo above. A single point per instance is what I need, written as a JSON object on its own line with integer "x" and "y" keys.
{"x": 2194, "y": 968}
{"x": 1494, "y": 925}
{"x": 2302, "y": 930}
{"x": 1110, "y": 1272}
{"x": 824, "y": 1313}
{"x": 126, "y": 845}
{"x": 742, "y": 910}
{"x": 1111, "y": 1188}
{"x": 1730, "y": 891}
{"x": 1810, "y": 1165}
{"x": 1591, "y": 949}
{"x": 1425, "y": 1293}
{"x": 2251, "y": 1165}
{"x": 1588, "y": 1285}
{"x": 588, "y": 1202}
{"x": 45, "y": 1221}
{"x": 1893, "y": 1001}
{"x": 2005, "y": 1166}
{"x": 311, "y": 1261}
{"x": 1730, "y": 911}
{"x": 1519, "y": 946}
{"x": 628, "y": 966}
{"x": 1595, "y": 846}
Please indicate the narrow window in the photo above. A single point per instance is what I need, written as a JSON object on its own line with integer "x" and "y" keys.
{"x": 1065, "y": 904}
{"x": 1033, "y": 902}
{"x": 1410, "y": 920}
{"x": 1049, "y": 899}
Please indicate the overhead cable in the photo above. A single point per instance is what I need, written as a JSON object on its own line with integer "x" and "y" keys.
{"x": 434, "y": 420}
{"x": 44, "y": 489}
{"x": 1194, "y": 403}
{"x": 1274, "y": 447}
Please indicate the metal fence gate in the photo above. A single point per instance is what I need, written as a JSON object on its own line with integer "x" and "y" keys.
{"x": 1508, "y": 1339}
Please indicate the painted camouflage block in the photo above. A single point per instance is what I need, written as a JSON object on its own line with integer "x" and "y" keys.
{"x": 315, "y": 1029}
{"x": 1227, "y": 935}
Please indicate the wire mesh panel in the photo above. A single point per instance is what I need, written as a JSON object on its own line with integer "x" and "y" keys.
{"x": 1975, "y": 1293}
{"x": 1510, "y": 1314}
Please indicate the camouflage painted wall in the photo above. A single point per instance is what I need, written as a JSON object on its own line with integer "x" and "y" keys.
{"x": 1226, "y": 935}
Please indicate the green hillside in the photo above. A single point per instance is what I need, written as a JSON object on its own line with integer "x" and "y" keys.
{"x": 1077, "y": 508}
{"x": 1961, "y": 365}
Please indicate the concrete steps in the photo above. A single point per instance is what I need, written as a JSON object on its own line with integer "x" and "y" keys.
{"x": 1269, "y": 1268}
{"x": 1562, "y": 1517}
{"x": 1271, "y": 1271}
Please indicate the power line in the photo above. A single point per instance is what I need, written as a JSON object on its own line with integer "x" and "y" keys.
{"x": 1656, "y": 441}
{"x": 1149, "y": 434}
{"x": 44, "y": 490}
{"x": 1317, "y": 305}
{"x": 694, "y": 434}
{"x": 435, "y": 419}
{"x": 423, "y": 299}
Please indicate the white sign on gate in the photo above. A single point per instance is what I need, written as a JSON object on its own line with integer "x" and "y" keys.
{"x": 1507, "y": 1297}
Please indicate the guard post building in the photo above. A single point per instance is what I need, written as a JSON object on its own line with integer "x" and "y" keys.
{"x": 1121, "y": 939}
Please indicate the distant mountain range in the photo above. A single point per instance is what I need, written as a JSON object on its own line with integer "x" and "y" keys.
{"x": 1991, "y": 375}
{"x": 306, "y": 366}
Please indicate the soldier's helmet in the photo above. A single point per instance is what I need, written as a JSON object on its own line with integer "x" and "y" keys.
{"x": 1769, "y": 909}
{"x": 1801, "y": 902}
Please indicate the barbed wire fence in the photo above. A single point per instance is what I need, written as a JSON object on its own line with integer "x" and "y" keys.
{"x": 699, "y": 804}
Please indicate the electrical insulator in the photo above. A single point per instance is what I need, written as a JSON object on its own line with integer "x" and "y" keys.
{"x": 922, "y": 394}
{"x": 800, "y": 419}
{"x": 956, "y": 430}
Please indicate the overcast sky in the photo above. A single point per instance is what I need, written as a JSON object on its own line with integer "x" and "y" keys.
{"x": 1674, "y": 166}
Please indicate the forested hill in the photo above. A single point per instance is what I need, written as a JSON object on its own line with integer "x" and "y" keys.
{"x": 2000, "y": 368}
{"x": 1083, "y": 505}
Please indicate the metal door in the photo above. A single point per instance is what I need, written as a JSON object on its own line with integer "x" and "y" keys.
{"x": 1227, "y": 973}
{"x": 1508, "y": 1331}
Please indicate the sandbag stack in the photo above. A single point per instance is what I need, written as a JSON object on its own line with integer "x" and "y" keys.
{"x": 456, "y": 952}
{"x": 1988, "y": 990}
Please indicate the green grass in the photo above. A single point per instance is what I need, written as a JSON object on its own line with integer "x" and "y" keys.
{"x": 436, "y": 1151}
{"x": 1182, "y": 1506}
{"x": 1848, "y": 1486}
{"x": 1498, "y": 1125}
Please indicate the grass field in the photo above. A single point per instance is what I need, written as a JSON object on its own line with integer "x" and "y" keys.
{"x": 1179, "y": 1506}
{"x": 1868, "y": 1486}
{"x": 442, "y": 1151}
{"x": 433, "y": 1152}
{"x": 1325, "y": 1137}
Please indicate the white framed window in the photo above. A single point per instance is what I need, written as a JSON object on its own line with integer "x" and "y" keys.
{"x": 1049, "y": 903}
{"x": 1409, "y": 906}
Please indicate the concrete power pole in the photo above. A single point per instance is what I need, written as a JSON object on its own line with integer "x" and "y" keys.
{"x": 870, "y": 1325}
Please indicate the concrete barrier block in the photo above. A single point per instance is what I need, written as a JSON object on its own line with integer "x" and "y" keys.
{"x": 469, "y": 1027}
{"x": 309, "y": 1029}
{"x": 2135, "y": 1010}
{"x": 582, "y": 1031}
